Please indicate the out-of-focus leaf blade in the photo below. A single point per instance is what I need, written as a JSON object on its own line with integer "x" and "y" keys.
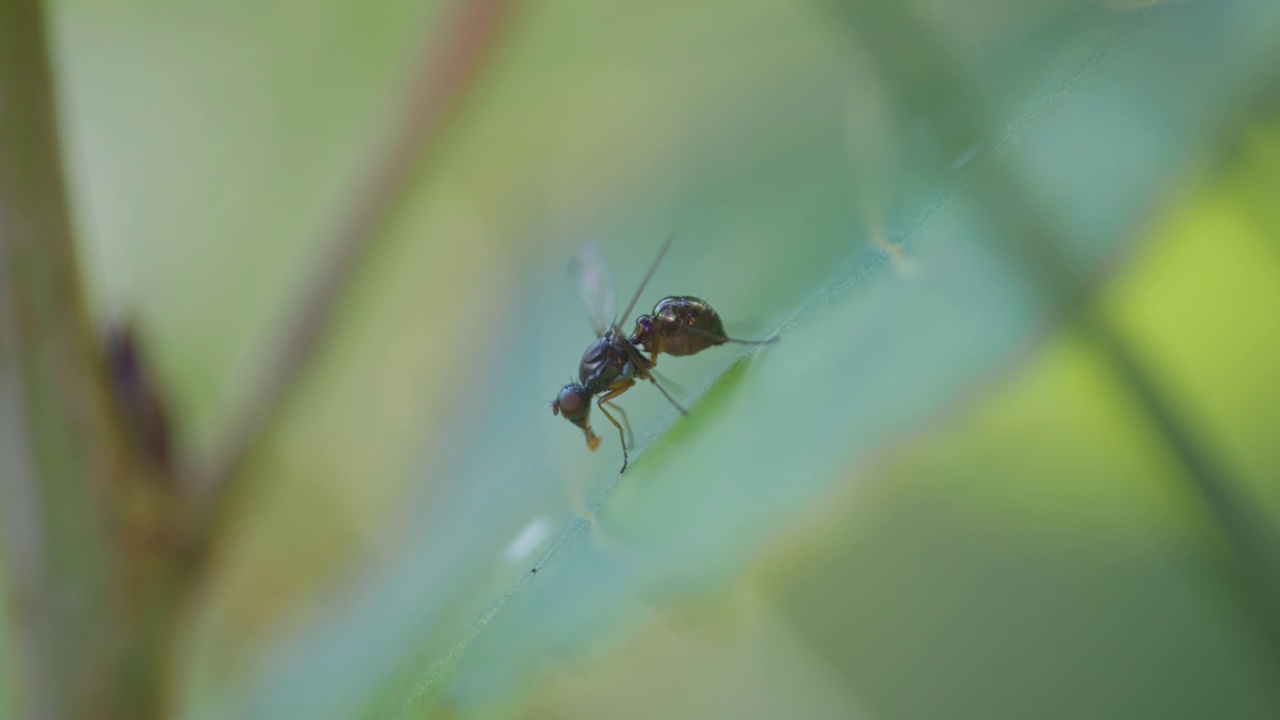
{"x": 817, "y": 183}
{"x": 1117, "y": 101}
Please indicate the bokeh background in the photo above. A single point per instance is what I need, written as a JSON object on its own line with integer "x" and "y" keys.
{"x": 1023, "y": 260}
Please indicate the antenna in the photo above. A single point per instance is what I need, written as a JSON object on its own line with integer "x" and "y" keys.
{"x": 617, "y": 325}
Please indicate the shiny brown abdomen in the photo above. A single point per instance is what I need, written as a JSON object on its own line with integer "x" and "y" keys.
{"x": 679, "y": 325}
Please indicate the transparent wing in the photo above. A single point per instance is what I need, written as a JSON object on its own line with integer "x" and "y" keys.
{"x": 595, "y": 285}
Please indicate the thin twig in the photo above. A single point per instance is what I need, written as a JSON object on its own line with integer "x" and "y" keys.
{"x": 447, "y": 70}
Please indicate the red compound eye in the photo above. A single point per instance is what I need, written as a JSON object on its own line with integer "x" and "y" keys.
{"x": 572, "y": 402}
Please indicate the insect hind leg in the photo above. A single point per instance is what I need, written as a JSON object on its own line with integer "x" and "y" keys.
{"x": 667, "y": 395}
{"x": 724, "y": 338}
{"x": 644, "y": 367}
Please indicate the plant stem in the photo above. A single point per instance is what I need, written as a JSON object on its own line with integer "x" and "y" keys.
{"x": 94, "y": 535}
{"x": 440, "y": 84}
{"x": 103, "y": 546}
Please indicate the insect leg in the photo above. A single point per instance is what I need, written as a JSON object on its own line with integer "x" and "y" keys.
{"x": 626, "y": 423}
{"x": 643, "y": 367}
{"x": 667, "y": 395}
{"x": 722, "y": 338}
{"x": 617, "y": 325}
{"x": 614, "y": 391}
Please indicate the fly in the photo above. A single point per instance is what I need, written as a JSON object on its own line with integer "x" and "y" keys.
{"x": 678, "y": 325}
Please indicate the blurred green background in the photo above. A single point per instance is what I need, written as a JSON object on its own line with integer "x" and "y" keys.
{"x": 937, "y": 496}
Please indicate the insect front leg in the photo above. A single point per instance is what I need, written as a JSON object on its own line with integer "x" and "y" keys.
{"x": 626, "y": 422}
{"x": 615, "y": 390}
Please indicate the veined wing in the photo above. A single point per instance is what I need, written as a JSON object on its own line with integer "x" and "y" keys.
{"x": 595, "y": 285}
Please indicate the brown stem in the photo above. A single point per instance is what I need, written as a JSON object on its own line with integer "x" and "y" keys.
{"x": 440, "y": 83}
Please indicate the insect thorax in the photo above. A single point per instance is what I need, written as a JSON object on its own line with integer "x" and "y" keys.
{"x": 604, "y": 362}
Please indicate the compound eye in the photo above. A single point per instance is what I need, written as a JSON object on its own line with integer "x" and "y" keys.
{"x": 572, "y": 402}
